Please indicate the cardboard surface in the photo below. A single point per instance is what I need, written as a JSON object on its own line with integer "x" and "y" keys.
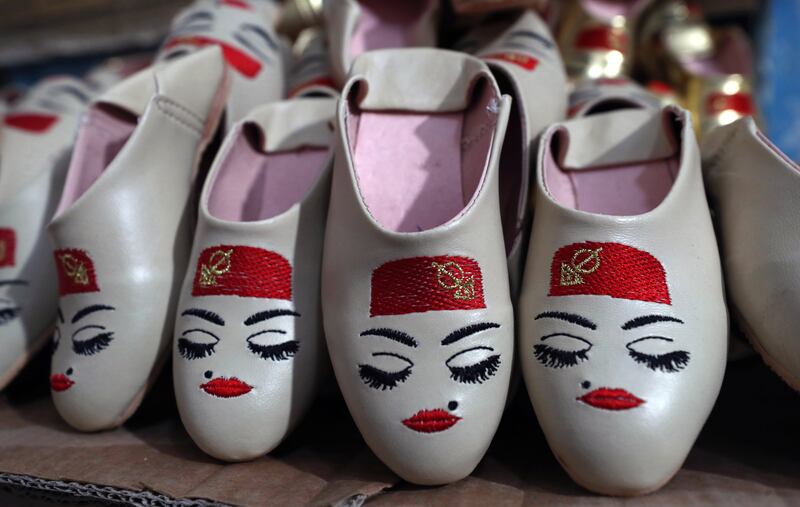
{"x": 748, "y": 454}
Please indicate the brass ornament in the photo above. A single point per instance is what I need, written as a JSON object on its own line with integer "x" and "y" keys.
{"x": 218, "y": 264}
{"x": 74, "y": 269}
{"x": 574, "y": 272}
{"x": 451, "y": 276}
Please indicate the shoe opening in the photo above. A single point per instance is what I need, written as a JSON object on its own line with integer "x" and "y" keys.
{"x": 254, "y": 185}
{"x": 629, "y": 174}
{"x": 102, "y": 135}
{"x": 418, "y": 170}
{"x": 387, "y": 24}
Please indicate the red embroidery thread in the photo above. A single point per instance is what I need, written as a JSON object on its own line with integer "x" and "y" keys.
{"x": 431, "y": 421}
{"x": 423, "y": 284}
{"x": 244, "y": 271}
{"x": 30, "y": 122}
{"x": 238, "y": 59}
{"x": 608, "y": 269}
{"x": 238, "y": 4}
{"x": 611, "y": 399}
{"x": 742, "y": 103}
{"x": 528, "y": 63}
{"x": 8, "y": 247}
{"x": 602, "y": 37}
{"x": 76, "y": 273}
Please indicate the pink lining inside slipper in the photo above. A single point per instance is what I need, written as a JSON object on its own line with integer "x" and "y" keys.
{"x": 620, "y": 190}
{"x": 104, "y": 132}
{"x": 386, "y": 24}
{"x": 255, "y": 185}
{"x": 416, "y": 171}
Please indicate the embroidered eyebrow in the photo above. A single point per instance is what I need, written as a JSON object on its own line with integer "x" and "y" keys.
{"x": 90, "y": 309}
{"x": 196, "y": 16}
{"x": 645, "y": 320}
{"x": 262, "y": 34}
{"x": 208, "y": 315}
{"x": 269, "y": 314}
{"x": 532, "y": 35}
{"x": 467, "y": 331}
{"x": 13, "y": 282}
{"x": 60, "y": 315}
{"x": 573, "y": 318}
{"x": 392, "y": 334}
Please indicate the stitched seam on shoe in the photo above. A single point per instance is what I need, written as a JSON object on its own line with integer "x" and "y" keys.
{"x": 719, "y": 154}
{"x": 180, "y": 114}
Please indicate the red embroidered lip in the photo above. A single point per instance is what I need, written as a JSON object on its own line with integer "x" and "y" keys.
{"x": 611, "y": 399}
{"x": 431, "y": 421}
{"x": 30, "y": 122}
{"x": 60, "y": 382}
{"x": 238, "y": 59}
{"x": 226, "y": 387}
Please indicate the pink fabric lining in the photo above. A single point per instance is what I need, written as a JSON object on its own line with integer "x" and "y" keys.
{"x": 252, "y": 185}
{"x": 103, "y": 134}
{"x": 417, "y": 171}
{"x": 386, "y": 24}
{"x": 624, "y": 190}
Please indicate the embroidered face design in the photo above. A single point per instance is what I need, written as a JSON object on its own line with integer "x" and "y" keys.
{"x": 40, "y": 112}
{"x": 629, "y": 330}
{"x": 266, "y": 334}
{"x": 234, "y": 25}
{"x": 246, "y": 348}
{"x": 429, "y": 373}
{"x": 82, "y": 330}
{"x": 9, "y": 308}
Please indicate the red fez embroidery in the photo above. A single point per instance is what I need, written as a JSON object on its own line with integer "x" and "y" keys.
{"x": 76, "y": 273}
{"x": 526, "y": 62}
{"x": 741, "y": 103}
{"x": 8, "y": 247}
{"x": 30, "y": 122}
{"x": 608, "y": 269}
{"x": 423, "y": 284}
{"x": 602, "y": 37}
{"x": 238, "y": 59}
{"x": 244, "y": 271}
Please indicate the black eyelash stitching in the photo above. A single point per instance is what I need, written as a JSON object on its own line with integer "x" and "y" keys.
{"x": 94, "y": 345}
{"x": 8, "y": 314}
{"x": 476, "y": 373}
{"x": 279, "y": 352}
{"x": 382, "y": 380}
{"x": 671, "y": 362}
{"x": 555, "y": 358}
{"x": 191, "y": 350}
{"x": 56, "y": 340}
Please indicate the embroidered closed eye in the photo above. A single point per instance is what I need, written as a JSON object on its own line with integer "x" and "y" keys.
{"x": 649, "y": 355}
{"x": 474, "y": 365}
{"x": 381, "y": 379}
{"x": 93, "y": 345}
{"x": 195, "y": 344}
{"x": 279, "y": 352}
{"x": 8, "y": 314}
{"x": 562, "y": 351}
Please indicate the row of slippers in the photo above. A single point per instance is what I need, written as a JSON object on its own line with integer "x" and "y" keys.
{"x": 397, "y": 220}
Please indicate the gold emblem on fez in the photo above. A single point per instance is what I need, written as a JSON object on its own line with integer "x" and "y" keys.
{"x": 3, "y": 250}
{"x": 218, "y": 264}
{"x": 584, "y": 262}
{"x": 451, "y": 276}
{"x": 74, "y": 269}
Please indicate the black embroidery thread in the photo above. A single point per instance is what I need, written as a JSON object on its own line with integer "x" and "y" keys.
{"x": 8, "y": 314}
{"x": 392, "y": 334}
{"x": 557, "y": 358}
{"x": 671, "y": 362}
{"x": 269, "y": 314}
{"x": 207, "y": 315}
{"x": 573, "y": 318}
{"x": 191, "y": 350}
{"x": 83, "y": 312}
{"x": 465, "y": 331}
{"x": 383, "y": 380}
{"x": 477, "y": 373}
{"x": 645, "y": 320}
{"x": 94, "y": 345}
{"x": 278, "y": 352}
